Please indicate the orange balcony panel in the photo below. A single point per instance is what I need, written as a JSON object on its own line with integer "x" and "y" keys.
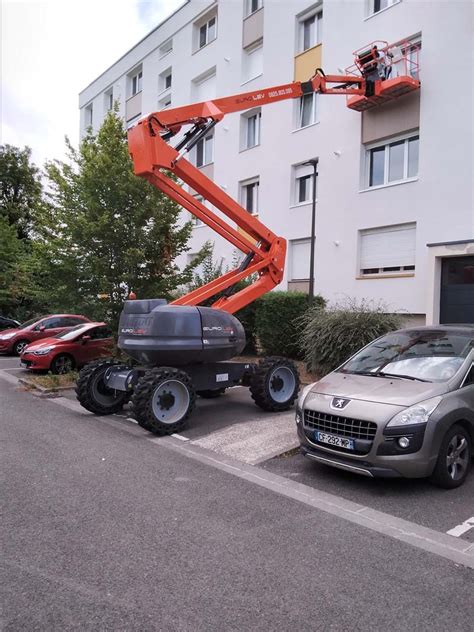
{"x": 307, "y": 62}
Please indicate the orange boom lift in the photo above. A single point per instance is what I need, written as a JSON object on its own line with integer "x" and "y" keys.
{"x": 153, "y": 156}
{"x": 183, "y": 348}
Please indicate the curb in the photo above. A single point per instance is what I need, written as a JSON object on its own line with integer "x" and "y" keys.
{"x": 43, "y": 391}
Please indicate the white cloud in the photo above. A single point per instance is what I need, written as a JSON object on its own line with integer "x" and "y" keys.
{"x": 50, "y": 51}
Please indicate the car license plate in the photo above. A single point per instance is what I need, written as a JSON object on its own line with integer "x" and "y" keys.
{"x": 330, "y": 439}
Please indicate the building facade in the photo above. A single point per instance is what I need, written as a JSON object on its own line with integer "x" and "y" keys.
{"x": 395, "y": 210}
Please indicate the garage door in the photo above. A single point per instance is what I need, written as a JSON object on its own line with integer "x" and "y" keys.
{"x": 457, "y": 290}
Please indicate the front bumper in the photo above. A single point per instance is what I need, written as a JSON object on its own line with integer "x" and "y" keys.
{"x": 35, "y": 363}
{"x": 381, "y": 456}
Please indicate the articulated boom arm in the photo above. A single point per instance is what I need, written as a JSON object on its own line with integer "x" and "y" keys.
{"x": 153, "y": 156}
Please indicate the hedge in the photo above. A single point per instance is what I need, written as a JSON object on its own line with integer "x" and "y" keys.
{"x": 331, "y": 336}
{"x": 278, "y": 322}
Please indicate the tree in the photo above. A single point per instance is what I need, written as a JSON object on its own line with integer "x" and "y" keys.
{"x": 20, "y": 188}
{"x": 209, "y": 269}
{"x": 106, "y": 232}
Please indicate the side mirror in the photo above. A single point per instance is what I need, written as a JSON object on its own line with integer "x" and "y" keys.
{"x": 42, "y": 328}
{"x": 85, "y": 339}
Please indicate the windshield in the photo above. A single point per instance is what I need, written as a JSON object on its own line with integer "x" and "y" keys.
{"x": 27, "y": 323}
{"x": 69, "y": 334}
{"x": 434, "y": 356}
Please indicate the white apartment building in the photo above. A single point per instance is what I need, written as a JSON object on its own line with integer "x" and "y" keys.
{"x": 395, "y": 210}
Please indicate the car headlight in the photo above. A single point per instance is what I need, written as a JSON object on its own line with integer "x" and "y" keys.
{"x": 6, "y": 336}
{"x": 417, "y": 414}
{"x": 42, "y": 351}
{"x": 300, "y": 402}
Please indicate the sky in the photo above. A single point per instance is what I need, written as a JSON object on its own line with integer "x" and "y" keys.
{"x": 50, "y": 51}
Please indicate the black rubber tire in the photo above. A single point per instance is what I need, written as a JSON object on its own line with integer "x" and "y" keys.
{"x": 211, "y": 394}
{"x": 17, "y": 346}
{"x": 54, "y": 368}
{"x": 142, "y": 400}
{"x": 91, "y": 375}
{"x": 260, "y": 387}
{"x": 440, "y": 476}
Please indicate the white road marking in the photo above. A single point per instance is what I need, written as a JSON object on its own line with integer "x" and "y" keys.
{"x": 134, "y": 421}
{"x": 462, "y": 528}
{"x": 178, "y": 436}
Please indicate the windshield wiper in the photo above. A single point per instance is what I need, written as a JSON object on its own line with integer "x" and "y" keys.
{"x": 388, "y": 375}
{"x": 403, "y": 377}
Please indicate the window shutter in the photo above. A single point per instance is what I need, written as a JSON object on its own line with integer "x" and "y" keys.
{"x": 388, "y": 247}
{"x": 299, "y": 259}
{"x": 205, "y": 89}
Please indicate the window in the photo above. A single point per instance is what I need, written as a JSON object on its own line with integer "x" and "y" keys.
{"x": 249, "y": 195}
{"x": 205, "y": 151}
{"x": 208, "y": 32}
{"x": 99, "y": 333}
{"x": 52, "y": 323}
{"x": 300, "y": 253}
{"x": 164, "y": 103}
{"x": 195, "y": 220}
{"x": 306, "y": 110}
{"x": 165, "y": 80}
{"x": 250, "y": 129}
{"x": 379, "y": 5}
{"x": 133, "y": 121}
{"x": 136, "y": 83}
{"x": 303, "y": 184}
{"x": 469, "y": 379}
{"x": 393, "y": 162}
{"x": 252, "y": 62}
{"x": 412, "y": 53}
{"x": 388, "y": 250}
{"x": 310, "y": 30}
{"x": 252, "y": 5}
{"x": 109, "y": 100}
{"x": 89, "y": 115}
{"x": 166, "y": 48}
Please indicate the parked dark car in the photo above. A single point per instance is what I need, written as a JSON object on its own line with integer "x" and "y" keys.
{"x": 70, "y": 349}
{"x": 8, "y": 323}
{"x": 14, "y": 340}
{"x": 401, "y": 407}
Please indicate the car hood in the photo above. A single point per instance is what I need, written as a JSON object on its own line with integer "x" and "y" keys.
{"x": 44, "y": 342}
{"x": 383, "y": 390}
{"x": 11, "y": 330}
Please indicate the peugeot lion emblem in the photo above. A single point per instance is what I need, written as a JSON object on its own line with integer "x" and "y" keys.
{"x": 339, "y": 402}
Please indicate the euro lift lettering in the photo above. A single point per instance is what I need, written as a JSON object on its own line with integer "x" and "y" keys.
{"x": 140, "y": 327}
{"x": 227, "y": 330}
{"x": 261, "y": 95}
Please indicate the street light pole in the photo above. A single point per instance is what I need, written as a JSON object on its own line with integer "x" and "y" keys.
{"x": 314, "y": 164}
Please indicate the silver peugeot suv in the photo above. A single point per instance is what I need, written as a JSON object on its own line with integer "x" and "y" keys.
{"x": 403, "y": 406}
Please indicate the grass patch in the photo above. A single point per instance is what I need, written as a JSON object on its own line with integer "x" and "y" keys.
{"x": 51, "y": 381}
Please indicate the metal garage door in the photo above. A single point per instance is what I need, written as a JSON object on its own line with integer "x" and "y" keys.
{"x": 457, "y": 290}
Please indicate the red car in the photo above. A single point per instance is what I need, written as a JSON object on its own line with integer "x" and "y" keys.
{"x": 70, "y": 349}
{"x": 15, "y": 340}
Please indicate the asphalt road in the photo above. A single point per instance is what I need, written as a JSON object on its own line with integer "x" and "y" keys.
{"x": 104, "y": 529}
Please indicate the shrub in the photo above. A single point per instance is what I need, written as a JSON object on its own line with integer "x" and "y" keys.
{"x": 278, "y": 324}
{"x": 331, "y": 336}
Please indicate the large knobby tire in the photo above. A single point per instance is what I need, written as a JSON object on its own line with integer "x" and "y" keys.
{"x": 454, "y": 459}
{"x": 163, "y": 400}
{"x": 93, "y": 394}
{"x": 211, "y": 394}
{"x": 19, "y": 346}
{"x": 275, "y": 384}
{"x": 62, "y": 364}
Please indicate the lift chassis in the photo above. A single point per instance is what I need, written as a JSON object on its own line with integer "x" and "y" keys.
{"x": 183, "y": 349}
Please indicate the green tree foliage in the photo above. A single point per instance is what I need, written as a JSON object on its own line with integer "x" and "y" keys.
{"x": 20, "y": 188}
{"x": 277, "y": 322}
{"x": 331, "y": 336}
{"x": 106, "y": 232}
{"x": 209, "y": 269}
